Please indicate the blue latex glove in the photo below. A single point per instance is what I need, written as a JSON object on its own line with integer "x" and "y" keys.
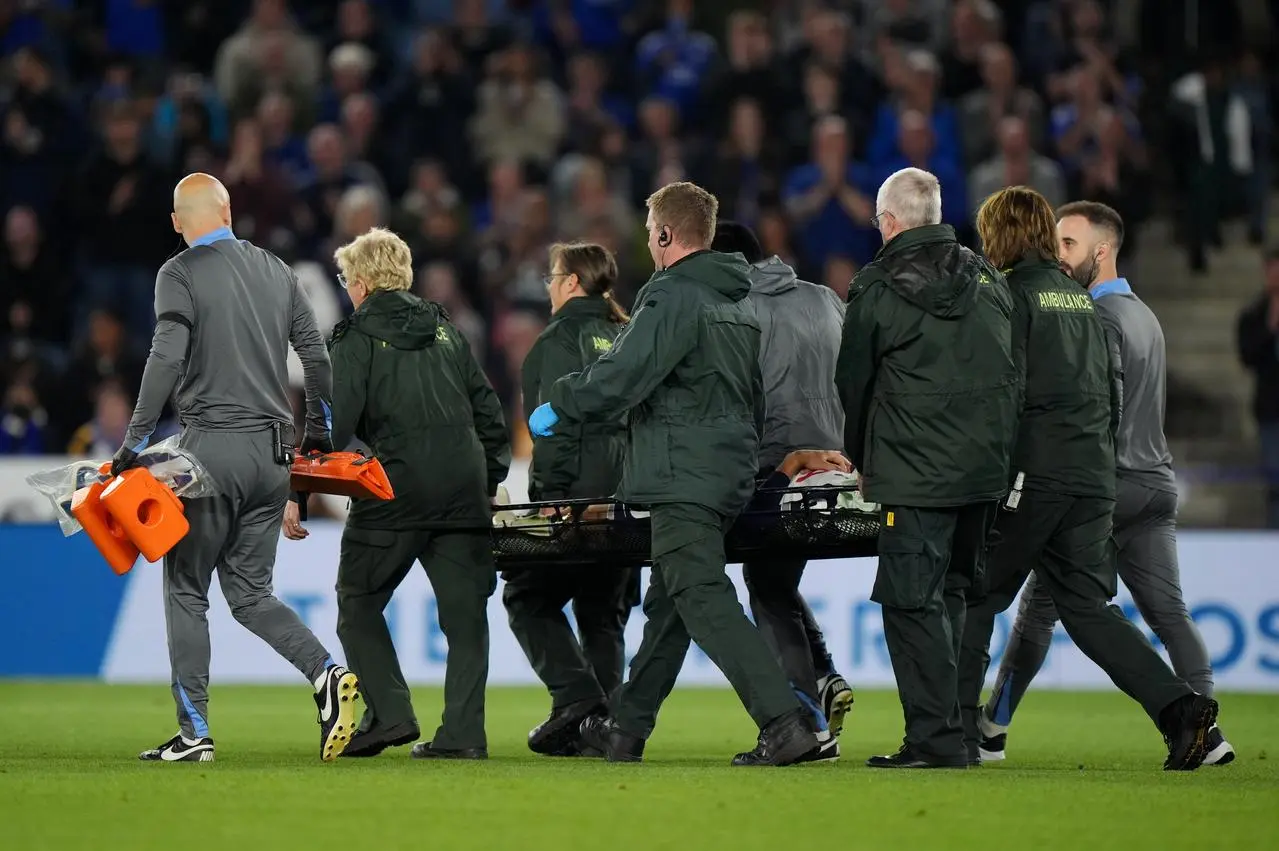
{"x": 543, "y": 420}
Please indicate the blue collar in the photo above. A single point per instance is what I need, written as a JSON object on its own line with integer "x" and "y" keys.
{"x": 214, "y": 236}
{"x": 1115, "y": 286}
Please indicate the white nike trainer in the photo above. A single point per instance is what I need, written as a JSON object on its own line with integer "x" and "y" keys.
{"x": 180, "y": 749}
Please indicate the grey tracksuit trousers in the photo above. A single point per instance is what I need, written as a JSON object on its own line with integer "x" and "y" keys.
{"x": 234, "y": 533}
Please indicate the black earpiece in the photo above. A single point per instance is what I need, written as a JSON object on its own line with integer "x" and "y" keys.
{"x": 664, "y": 237}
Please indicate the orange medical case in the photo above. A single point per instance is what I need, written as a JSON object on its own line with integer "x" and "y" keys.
{"x": 342, "y": 474}
{"x": 103, "y": 529}
{"x": 150, "y": 514}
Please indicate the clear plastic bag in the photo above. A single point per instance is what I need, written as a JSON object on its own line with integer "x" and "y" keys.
{"x": 175, "y": 467}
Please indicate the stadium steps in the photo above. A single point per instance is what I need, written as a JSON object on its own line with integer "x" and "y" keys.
{"x": 1210, "y": 427}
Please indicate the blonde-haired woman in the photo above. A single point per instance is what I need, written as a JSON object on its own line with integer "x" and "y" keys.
{"x": 406, "y": 383}
{"x": 580, "y": 462}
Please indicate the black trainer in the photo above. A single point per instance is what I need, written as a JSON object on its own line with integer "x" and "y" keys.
{"x": 1219, "y": 751}
{"x": 366, "y": 743}
{"x": 992, "y": 748}
{"x": 561, "y": 733}
{"x": 1185, "y": 724}
{"x": 827, "y": 749}
{"x": 425, "y": 750}
{"x": 786, "y": 740}
{"x": 601, "y": 734}
{"x": 179, "y": 749}
{"x": 908, "y": 757}
{"x": 335, "y": 699}
{"x": 836, "y": 698}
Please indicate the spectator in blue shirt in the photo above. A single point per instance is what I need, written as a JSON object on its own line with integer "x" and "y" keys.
{"x": 915, "y": 88}
{"x": 283, "y": 148}
{"x": 831, "y": 200}
{"x": 165, "y": 130}
{"x": 672, "y": 61}
{"x": 918, "y": 150}
{"x": 1078, "y": 124}
{"x": 599, "y": 25}
{"x": 135, "y": 27}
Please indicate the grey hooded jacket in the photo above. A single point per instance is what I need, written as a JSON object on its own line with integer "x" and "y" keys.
{"x": 802, "y": 324}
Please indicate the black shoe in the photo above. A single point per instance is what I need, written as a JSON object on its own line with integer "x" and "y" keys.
{"x": 561, "y": 733}
{"x": 1218, "y": 750}
{"x": 335, "y": 700}
{"x": 372, "y": 742}
{"x": 179, "y": 749}
{"x": 992, "y": 748}
{"x": 836, "y": 698}
{"x": 907, "y": 757}
{"x": 786, "y": 740}
{"x": 1185, "y": 724}
{"x": 601, "y": 734}
{"x": 424, "y": 750}
{"x": 827, "y": 749}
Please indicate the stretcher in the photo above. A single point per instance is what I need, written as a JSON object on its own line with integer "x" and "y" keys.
{"x": 586, "y": 532}
{"x": 342, "y": 474}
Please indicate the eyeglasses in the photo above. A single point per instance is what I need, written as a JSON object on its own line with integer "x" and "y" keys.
{"x": 547, "y": 279}
{"x": 342, "y": 281}
{"x": 876, "y": 219}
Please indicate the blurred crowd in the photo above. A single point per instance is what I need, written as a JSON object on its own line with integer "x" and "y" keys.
{"x": 483, "y": 131}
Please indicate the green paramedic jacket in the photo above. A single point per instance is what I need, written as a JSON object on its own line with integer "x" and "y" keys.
{"x": 581, "y": 460}
{"x": 406, "y": 383}
{"x": 686, "y": 369}
{"x": 926, "y": 374}
{"x": 1066, "y": 442}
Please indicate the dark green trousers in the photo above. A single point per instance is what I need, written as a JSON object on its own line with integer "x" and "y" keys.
{"x": 690, "y": 597}
{"x": 929, "y": 560}
{"x": 1066, "y": 541}
{"x": 460, "y": 568}
{"x": 602, "y": 598}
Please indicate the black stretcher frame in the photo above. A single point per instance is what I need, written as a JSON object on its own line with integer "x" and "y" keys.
{"x": 761, "y": 532}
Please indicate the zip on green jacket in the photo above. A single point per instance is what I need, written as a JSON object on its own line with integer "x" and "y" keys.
{"x": 580, "y": 460}
{"x": 406, "y": 383}
{"x": 926, "y": 373}
{"x": 1066, "y": 441}
{"x": 686, "y": 368}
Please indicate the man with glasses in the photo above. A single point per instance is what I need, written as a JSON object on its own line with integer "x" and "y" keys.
{"x": 931, "y": 397}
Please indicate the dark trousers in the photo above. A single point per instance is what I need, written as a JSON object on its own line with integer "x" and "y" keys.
{"x": 460, "y": 568}
{"x": 787, "y": 622}
{"x": 929, "y": 560}
{"x": 1065, "y": 540}
{"x": 1144, "y": 546}
{"x": 690, "y": 597}
{"x": 602, "y": 598}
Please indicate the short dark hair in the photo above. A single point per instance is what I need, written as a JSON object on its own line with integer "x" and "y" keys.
{"x": 1098, "y": 215}
{"x": 731, "y": 237}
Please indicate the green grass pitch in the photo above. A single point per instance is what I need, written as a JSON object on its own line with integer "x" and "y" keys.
{"x": 1084, "y": 773}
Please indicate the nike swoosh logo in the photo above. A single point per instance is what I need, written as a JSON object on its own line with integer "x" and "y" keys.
{"x": 171, "y": 755}
{"x": 327, "y": 711}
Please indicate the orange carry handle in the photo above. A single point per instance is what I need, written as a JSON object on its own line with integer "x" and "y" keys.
{"x": 342, "y": 474}
{"x": 150, "y": 514}
{"x": 103, "y": 529}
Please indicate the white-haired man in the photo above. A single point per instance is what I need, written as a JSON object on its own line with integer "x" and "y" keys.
{"x": 931, "y": 396}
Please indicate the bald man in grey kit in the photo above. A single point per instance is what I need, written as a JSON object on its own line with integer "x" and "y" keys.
{"x": 226, "y": 314}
